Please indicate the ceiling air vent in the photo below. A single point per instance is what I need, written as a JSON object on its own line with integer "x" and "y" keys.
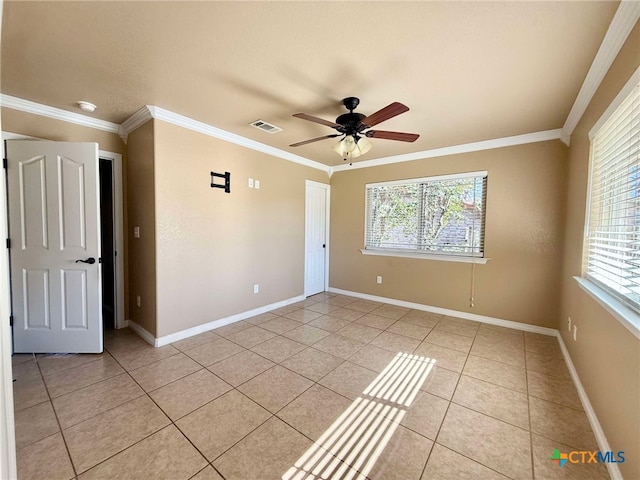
{"x": 267, "y": 127}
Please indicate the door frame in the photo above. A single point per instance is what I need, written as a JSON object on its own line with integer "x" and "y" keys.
{"x": 118, "y": 230}
{"x": 116, "y": 160}
{"x": 327, "y": 188}
{"x": 8, "y": 468}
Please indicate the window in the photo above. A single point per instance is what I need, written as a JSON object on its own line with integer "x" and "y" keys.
{"x": 436, "y": 215}
{"x": 612, "y": 244}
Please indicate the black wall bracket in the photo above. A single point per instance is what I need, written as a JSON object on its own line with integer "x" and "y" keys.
{"x": 227, "y": 181}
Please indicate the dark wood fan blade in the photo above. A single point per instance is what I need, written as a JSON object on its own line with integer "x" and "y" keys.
{"x": 390, "y": 111}
{"x": 311, "y": 118}
{"x": 314, "y": 140}
{"x": 400, "y": 136}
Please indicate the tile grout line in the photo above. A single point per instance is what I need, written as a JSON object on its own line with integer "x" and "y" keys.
{"x": 424, "y": 467}
{"x": 342, "y": 461}
{"x": 145, "y": 393}
{"x": 64, "y": 439}
{"x": 271, "y": 415}
{"x": 449, "y": 402}
{"x": 496, "y": 385}
{"x": 314, "y": 383}
{"x": 526, "y": 376}
{"x": 452, "y": 402}
{"x": 481, "y": 413}
{"x": 172, "y": 422}
{"x": 203, "y": 368}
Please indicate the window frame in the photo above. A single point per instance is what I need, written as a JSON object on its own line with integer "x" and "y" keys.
{"x": 464, "y": 257}
{"x": 623, "y": 311}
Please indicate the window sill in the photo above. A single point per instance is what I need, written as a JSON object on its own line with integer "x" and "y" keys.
{"x": 425, "y": 256}
{"x": 626, "y": 316}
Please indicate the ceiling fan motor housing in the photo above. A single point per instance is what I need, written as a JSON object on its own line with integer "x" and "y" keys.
{"x": 351, "y": 123}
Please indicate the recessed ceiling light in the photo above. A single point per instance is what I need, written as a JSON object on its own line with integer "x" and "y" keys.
{"x": 86, "y": 106}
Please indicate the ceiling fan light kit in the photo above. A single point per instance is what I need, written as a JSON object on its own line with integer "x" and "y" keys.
{"x": 352, "y": 146}
{"x": 355, "y": 141}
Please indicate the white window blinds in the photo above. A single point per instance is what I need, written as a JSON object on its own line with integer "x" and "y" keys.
{"x": 435, "y": 215}
{"x": 612, "y": 253}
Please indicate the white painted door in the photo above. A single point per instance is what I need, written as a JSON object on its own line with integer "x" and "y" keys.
{"x": 315, "y": 238}
{"x": 54, "y": 228}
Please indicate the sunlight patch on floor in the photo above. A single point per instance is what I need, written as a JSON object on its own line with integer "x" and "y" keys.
{"x": 350, "y": 447}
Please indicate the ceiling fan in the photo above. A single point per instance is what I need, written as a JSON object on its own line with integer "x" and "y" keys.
{"x": 354, "y": 127}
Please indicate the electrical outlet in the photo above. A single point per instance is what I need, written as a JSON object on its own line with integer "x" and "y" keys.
{"x": 136, "y": 232}
{"x": 256, "y": 288}
{"x": 575, "y": 333}
{"x": 379, "y": 279}
{"x": 569, "y": 324}
{"x": 251, "y": 183}
{"x": 138, "y": 300}
{"x": 257, "y": 184}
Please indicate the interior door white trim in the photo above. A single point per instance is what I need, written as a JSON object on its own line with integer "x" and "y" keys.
{"x": 327, "y": 189}
{"x": 116, "y": 159}
{"x": 8, "y": 467}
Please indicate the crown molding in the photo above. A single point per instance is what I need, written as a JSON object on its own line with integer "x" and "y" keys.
{"x": 632, "y": 83}
{"x": 457, "y": 149}
{"x": 149, "y": 112}
{"x": 623, "y": 22}
{"x": 35, "y": 108}
{"x": 136, "y": 120}
{"x": 159, "y": 113}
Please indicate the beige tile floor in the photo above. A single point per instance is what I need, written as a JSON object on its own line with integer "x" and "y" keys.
{"x": 248, "y": 400}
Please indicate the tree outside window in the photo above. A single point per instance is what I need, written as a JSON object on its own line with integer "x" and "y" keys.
{"x": 429, "y": 215}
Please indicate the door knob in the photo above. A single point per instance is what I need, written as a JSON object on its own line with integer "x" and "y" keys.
{"x": 89, "y": 260}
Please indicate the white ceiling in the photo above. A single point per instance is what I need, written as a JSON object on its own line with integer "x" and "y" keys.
{"x": 469, "y": 71}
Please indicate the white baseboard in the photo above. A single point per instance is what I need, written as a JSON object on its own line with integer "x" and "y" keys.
{"x": 146, "y": 335}
{"x": 452, "y": 313}
{"x": 205, "y": 327}
{"x": 603, "y": 444}
{"x": 190, "y": 332}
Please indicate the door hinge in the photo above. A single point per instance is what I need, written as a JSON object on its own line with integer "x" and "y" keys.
{"x": 9, "y": 243}
{"x": 11, "y": 320}
{"x": 4, "y": 163}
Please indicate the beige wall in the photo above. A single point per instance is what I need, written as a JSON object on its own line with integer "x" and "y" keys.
{"x": 142, "y": 213}
{"x": 212, "y": 247}
{"x": 606, "y": 355}
{"x": 523, "y": 237}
